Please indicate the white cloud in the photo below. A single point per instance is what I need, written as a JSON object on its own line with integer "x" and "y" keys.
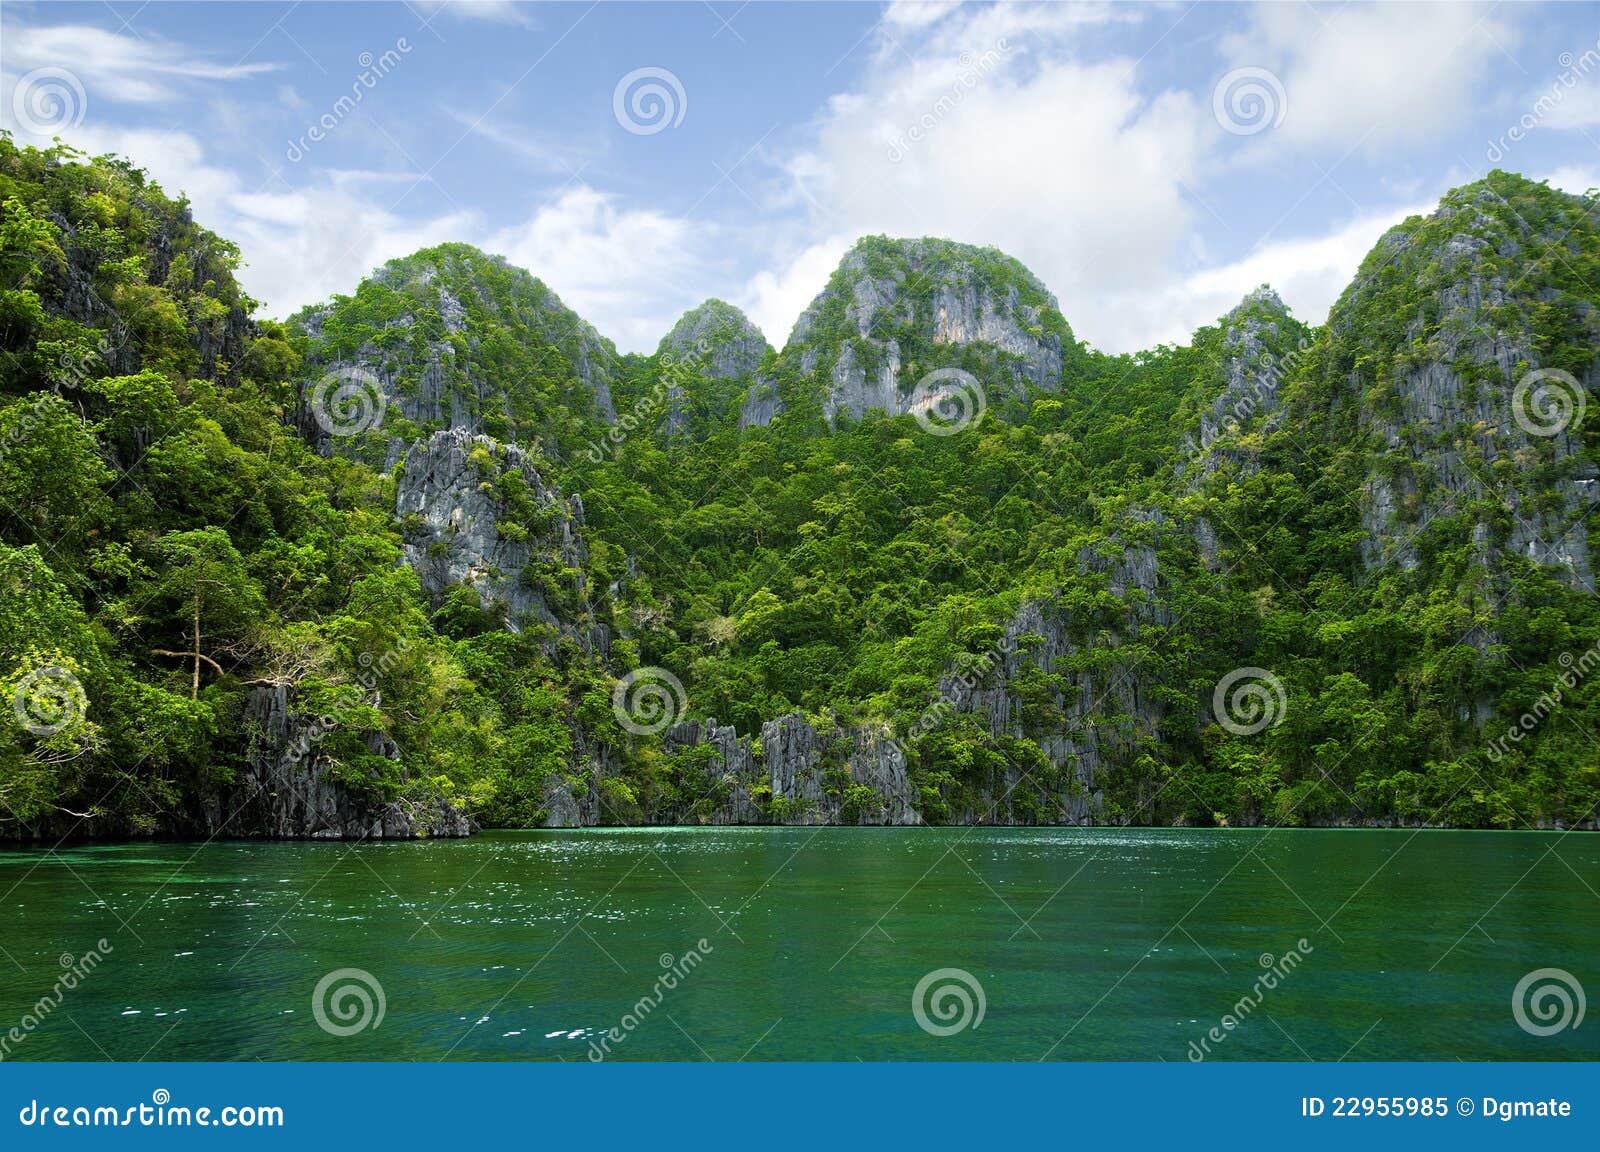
{"x": 629, "y": 272}
{"x": 1574, "y": 178}
{"x": 518, "y": 143}
{"x": 1573, "y": 109}
{"x": 1568, "y": 100}
{"x": 122, "y": 68}
{"x": 1308, "y": 272}
{"x": 774, "y": 298}
{"x": 1069, "y": 165}
{"x": 917, "y": 13}
{"x": 987, "y": 130}
{"x": 989, "y": 125}
{"x": 300, "y": 246}
{"x": 1375, "y": 76}
{"x": 493, "y": 11}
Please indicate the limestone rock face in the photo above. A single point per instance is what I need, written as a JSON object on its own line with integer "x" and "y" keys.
{"x": 1454, "y": 422}
{"x": 799, "y": 774}
{"x": 731, "y": 770}
{"x": 1253, "y": 365}
{"x": 452, "y": 504}
{"x": 802, "y": 774}
{"x": 896, "y": 310}
{"x": 286, "y": 792}
{"x": 1104, "y": 711}
{"x": 221, "y": 341}
{"x": 762, "y": 404}
{"x": 714, "y": 341}
{"x": 1259, "y": 346}
{"x": 718, "y": 337}
{"x": 436, "y": 307}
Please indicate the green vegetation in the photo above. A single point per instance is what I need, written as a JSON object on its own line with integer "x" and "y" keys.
{"x": 170, "y": 537}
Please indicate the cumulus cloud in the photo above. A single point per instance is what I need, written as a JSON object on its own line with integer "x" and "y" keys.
{"x": 984, "y": 129}
{"x": 1373, "y": 76}
{"x": 299, "y": 245}
{"x": 774, "y": 298}
{"x": 1577, "y": 179}
{"x": 991, "y": 126}
{"x": 630, "y": 272}
{"x": 1309, "y": 273}
{"x": 1035, "y": 129}
{"x": 494, "y": 11}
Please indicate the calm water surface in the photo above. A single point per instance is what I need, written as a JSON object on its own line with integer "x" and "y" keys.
{"x": 1087, "y": 944}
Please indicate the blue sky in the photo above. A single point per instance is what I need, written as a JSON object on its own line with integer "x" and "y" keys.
{"x": 1096, "y": 142}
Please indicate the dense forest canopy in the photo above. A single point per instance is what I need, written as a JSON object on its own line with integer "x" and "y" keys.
{"x": 933, "y": 560}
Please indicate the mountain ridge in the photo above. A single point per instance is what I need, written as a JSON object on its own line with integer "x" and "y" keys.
{"x": 435, "y": 553}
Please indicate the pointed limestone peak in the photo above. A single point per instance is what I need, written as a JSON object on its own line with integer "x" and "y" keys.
{"x": 433, "y": 329}
{"x": 1262, "y": 301}
{"x": 884, "y": 279}
{"x": 897, "y": 309}
{"x": 719, "y": 336}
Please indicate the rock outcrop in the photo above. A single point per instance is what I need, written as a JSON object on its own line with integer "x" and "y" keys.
{"x": 712, "y": 342}
{"x": 1102, "y": 712}
{"x": 475, "y": 512}
{"x": 287, "y": 792}
{"x": 174, "y": 252}
{"x": 796, "y": 773}
{"x": 1462, "y": 418}
{"x": 416, "y": 327}
{"x": 1259, "y": 346}
{"x": 1255, "y": 357}
{"x": 719, "y": 338}
{"x": 762, "y": 405}
{"x": 896, "y": 310}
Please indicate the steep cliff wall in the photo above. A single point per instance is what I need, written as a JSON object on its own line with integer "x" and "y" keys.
{"x": 1441, "y": 348}
{"x": 451, "y": 338}
{"x": 896, "y": 310}
{"x": 1097, "y": 714}
{"x": 711, "y": 343}
{"x": 287, "y": 790}
{"x": 477, "y": 513}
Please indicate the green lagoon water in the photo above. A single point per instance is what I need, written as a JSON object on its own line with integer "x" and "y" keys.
{"x": 1087, "y": 943}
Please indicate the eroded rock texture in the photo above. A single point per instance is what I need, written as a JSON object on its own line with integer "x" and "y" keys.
{"x": 476, "y": 513}
{"x": 287, "y": 790}
{"x": 896, "y": 310}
